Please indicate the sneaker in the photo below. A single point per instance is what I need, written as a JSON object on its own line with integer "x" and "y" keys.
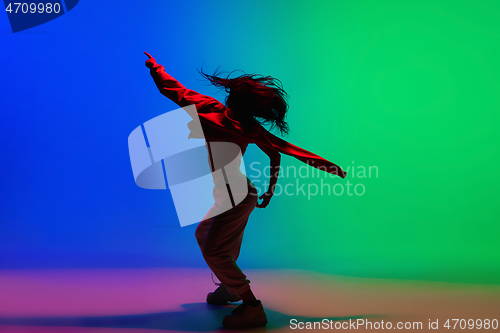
{"x": 221, "y": 296}
{"x": 245, "y": 316}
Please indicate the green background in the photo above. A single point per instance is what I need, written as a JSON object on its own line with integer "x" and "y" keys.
{"x": 409, "y": 87}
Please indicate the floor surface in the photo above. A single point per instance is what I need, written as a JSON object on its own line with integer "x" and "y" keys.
{"x": 173, "y": 300}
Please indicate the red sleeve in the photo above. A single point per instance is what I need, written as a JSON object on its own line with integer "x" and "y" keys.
{"x": 179, "y": 94}
{"x": 303, "y": 155}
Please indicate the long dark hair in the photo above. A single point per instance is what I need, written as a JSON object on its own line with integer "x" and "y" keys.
{"x": 254, "y": 97}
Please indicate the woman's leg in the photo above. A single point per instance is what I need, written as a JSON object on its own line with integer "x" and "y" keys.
{"x": 201, "y": 232}
{"x": 222, "y": 243}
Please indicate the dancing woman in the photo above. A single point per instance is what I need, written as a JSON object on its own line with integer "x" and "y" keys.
{"x": 253, "y": 100}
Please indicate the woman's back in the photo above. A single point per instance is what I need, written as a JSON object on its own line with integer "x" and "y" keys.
{"x": 225, "y": 156}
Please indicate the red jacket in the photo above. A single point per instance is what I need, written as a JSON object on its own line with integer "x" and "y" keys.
{"x": 217, "y": 126}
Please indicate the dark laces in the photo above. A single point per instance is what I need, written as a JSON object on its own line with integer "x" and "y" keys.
{"x": 239, "y": 308}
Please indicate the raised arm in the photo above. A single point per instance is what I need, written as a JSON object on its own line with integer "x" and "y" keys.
{"x": 179, "y": 94}
{"x": 275, "y": 159}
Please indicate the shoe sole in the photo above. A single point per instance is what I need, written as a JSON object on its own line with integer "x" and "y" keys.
{"x": 221, "y": 302}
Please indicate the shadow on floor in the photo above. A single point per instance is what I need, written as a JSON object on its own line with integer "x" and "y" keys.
{"x": 200, "y": 317}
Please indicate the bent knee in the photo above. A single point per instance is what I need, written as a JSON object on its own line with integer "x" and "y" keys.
{"x": 197, "y": 234}
{"x": 200, "y": 233}
{"x": 215, "y": 257}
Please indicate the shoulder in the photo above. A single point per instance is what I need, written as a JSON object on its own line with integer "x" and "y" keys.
{"x": 208, "y": 104}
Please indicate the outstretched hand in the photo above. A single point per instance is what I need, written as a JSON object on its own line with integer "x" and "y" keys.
{"x": 151, "y": 61}
{"x": 266, "y": 197}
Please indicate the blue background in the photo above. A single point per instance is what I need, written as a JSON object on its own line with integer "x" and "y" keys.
{"x": 72, "y": 91}
{"x": 411, "y": 88}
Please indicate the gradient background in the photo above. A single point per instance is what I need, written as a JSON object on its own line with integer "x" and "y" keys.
{"x": 412, "y": 88}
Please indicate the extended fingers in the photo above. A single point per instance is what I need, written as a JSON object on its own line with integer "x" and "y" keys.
{"x": 264, "y": 203}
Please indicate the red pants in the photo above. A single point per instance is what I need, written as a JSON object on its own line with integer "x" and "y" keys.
{"x": 220, "y": 240}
